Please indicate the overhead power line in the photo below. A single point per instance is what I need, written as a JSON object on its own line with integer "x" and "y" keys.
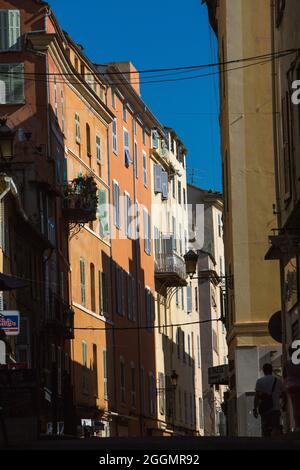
{"x": 171, "y": 69}
{"x": 149, "y": 327}
{"x": 21, "y": 74}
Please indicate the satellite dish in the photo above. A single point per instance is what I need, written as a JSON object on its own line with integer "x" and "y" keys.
{"x": 275, "y": 327}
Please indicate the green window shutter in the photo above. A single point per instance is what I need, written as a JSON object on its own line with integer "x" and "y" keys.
{"x": 103, "y": 214}
{"x": 4, "y": 30}
{"x": 17, "y": 83}
{"x": 82, "y": 281}
{"x": 14, "y": 30}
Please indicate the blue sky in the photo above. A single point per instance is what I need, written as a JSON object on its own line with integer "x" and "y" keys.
{"x": 163, "y": 33}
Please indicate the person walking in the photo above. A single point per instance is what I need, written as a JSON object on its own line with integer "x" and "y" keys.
{"x": 269, "y": 391}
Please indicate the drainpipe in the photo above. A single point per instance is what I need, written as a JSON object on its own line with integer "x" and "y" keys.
{"x": 277, "y": 181}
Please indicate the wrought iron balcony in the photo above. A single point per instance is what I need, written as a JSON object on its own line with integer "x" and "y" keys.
{"x": 80, "y": 200}
{"x": 170, "y": 269}
{"x": 59, "y": 316}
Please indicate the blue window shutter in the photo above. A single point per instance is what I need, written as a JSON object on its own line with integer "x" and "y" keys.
{"x": 189, "y": 299}
{"x": 157, "y": 178}
{"x": 165, "y": 184}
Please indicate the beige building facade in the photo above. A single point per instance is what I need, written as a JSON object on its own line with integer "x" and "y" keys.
{"x": 252, "y": 295}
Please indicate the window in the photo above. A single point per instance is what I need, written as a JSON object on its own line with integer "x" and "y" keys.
{"x": 147, "y": 232}
{"x": 286, "y": 116}
{"x": 177, "y": 297}
{"x": 165, "y": 184}
{"x": 124, "y": 112}
{"x": 116, "y": 203}
{"x": 120, "y": 291}
{"x": 134, "y": 127}
{"x": 103, "y": 300}
{"x": 135, "y": 158}
{"x": 184, "y": 197}
{"x": 55, "y": 97}
{"x": 92, "y": 281}
{"x": 196, "y": 299}
{"x": 182, "y": 298}
{"x": 114, "y": 136}
{"x": 174, "y": 187}
{"x": 279, "y": 10}
{"x": 157, "y": 171}
{"x": 183, "y": 346}
{"x": 144, "y": 136}
{"x": 113, "y": 99}
{"x": 189, "y": 350}
{"x": 179, "y": 192}
{"x": 103, "y": 213}
{"x": 133, "y": 386}
{"x": 128, "y": 215}
{"x": 131, "y": 298}
{"x": 220, "y": 225}
{"x": 144, "y": 158}
{"x": 185, "y": 408}
{"x": 62, "y": 97}
{"x": 189, "y": 299}
{"x": 199, "y": 351}
{"x": 122, "y": 380}
{"x": 12, "y": 83}
{"x": 215, "y": 341}
{"x": 76, "y": 64}
{"x": 98, "y": 148}
{"x": 127, "y": 158}
{"x": 149, "y": 305}
{"x": 88, "y": 140}
{"x": 201, "y": 418}
{"x": 151, "y": 394}
{"x": 178, "y": 342}
{"x": 142, "y": 390}
{"x": 95, "y": 370}
{"x": 82, "y": 282}
{"x": 174, "y": 233}
{"x": 162, "y": 395}
{"x": 84, "y": 367}
{"x": 10, "y": 30}
{"x": 77, "y": 128}
{"x": 105, "y": 369}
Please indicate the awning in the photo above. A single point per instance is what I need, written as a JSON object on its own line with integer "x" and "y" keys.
{"x": 11, "y": 283}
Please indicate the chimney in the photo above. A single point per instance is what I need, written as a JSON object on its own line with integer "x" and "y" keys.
{"x": 127, "y": 68}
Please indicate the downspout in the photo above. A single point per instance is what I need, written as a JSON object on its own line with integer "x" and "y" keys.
{"x": 277, "y": 182}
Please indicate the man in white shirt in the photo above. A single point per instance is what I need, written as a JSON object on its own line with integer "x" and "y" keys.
{"x": 269, "y": 391}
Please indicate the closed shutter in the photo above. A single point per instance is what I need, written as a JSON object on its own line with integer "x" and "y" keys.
{"x": 119, "y": 291}
{"x": 189, "y": 299}
{"x": 165, "y": 184}
{"x": 103, "y": 216}
{"x": 2, "y": 222}
{"x": 126, "y": 214}
{"x": 82, "y": 281}
{"x": 14, "y": 30}
{"x": 157, "y": 178}
{"x": 130, "y": 297}
{"x": 4, "y": 30}
{"x": 144, "y": 169}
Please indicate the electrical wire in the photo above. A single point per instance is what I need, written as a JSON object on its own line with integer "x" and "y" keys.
{"x": 169, "y": 69}
{"x": 148, "y": 327}
{"x": 126, "y": 82}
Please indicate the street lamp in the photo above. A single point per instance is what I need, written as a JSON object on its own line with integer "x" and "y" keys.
{"x": 191, "y": 258}
{"x": 174, "y": 378}
{"x": 7, "y": 137}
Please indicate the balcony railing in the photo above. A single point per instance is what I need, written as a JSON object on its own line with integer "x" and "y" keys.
{"x": 60, "y": 316}
{"x": 80, "y": 200}
{"x": 170, "y": 269}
